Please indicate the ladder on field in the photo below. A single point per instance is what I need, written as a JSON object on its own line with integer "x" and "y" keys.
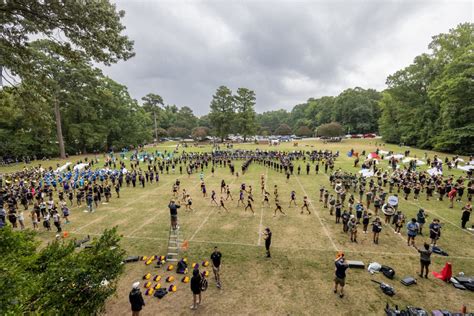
{"x": 174, "y": 244}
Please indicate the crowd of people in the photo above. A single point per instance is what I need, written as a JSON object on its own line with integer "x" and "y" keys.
{"x": 355, "y": 200}
{"x": 361, "y": 204}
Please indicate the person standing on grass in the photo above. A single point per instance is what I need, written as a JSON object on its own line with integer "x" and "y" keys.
{"x": 425, "y": 259}
{"x": 249, "y": 204}
{"x": 466, "y": 214}
{"x": 57, "y": 220}
{"x": 412, "y": 230}
{"x": 352, "y": 225}
{"x": 421, "y": 220}
{"x": 292, "y": 198}
{"x": 305, "y": 205}
{"x": 376, "y": 229}
{"x": 278, "y": 208}
{"x": 340, "y": 278}
{"x": 136, "y": 299}
{"x": 452, "y": 196}
{"x": 222, "y": 205}
{"x": 213, "y": 198}
{"x": 196, "y": 288}
{"x": 174, "y": 214}
{"x": 435, "y": 231}
{"x": 267, "y": 236}
{"x": 216, "y": 266}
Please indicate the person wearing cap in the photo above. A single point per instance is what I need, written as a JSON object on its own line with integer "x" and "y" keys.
{"x": 340, "y": 278}
{"x": 136, "y": 299}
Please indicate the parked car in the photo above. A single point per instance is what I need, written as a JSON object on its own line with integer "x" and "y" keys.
{"x": 370, "y": 135}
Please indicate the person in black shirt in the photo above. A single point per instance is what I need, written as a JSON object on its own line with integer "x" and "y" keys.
{"x": 466, "y": 214}
{"x": 340, "y": 279}
{"x": 268, "y": 240}
{"x": 425, "y": 259}
{"x": 216, "y": 266}
{"x": 196, "y": 288}
{"x": 136, "y": 299}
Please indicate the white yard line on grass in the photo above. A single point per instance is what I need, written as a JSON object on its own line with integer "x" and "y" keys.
{"x": 156, "y": 215}
{"x": 144, "y": 224}
{"x": 144, "y": 194}
{"x": 261, "y": 213}
{"x": 207, "y": 217}
{"x": 127, "y": 204}
{"x": 214, "y": 242}
{"x": 88, "y": 224}
{"x": 317, "y": 215}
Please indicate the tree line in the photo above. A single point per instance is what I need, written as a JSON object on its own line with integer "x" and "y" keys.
{"x": 62, "y": 104}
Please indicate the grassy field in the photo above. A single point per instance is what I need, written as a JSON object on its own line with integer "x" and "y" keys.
{"x": 298, "y": 280}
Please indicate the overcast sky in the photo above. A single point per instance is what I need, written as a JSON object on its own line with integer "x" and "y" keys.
{"x": 286, "y": 51}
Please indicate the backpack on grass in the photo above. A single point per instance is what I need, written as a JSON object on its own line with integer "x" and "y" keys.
{"x": 387, "y": 271}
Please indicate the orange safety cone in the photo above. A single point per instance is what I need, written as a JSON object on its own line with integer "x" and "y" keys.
{"x": 185, "y": 245}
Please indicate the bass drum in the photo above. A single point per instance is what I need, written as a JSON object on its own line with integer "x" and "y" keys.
{"x": 388, "y": 210}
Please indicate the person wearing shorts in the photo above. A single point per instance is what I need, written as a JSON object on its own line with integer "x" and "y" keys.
{"x": 305, "y": 205}
{"x": 216, "y": 266}
{"x": 222, "y": 205}
{"x": 174, "y": 214}
{"x": 425, "y": 259}
{"x": 340, "y": 278}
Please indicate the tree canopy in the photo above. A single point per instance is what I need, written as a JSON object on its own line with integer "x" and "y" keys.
{"x": 428, "y": 104}
{"x": 89, "y": 30}
{"x": 57, "y": 279}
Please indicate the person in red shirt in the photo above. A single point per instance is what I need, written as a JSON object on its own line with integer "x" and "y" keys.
{"x": 452, "y": 196}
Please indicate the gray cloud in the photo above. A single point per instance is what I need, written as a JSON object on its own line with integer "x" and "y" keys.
{"x": 286, "y": 51}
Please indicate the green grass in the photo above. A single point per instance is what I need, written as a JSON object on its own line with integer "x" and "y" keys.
{"x": 298, "y": 279}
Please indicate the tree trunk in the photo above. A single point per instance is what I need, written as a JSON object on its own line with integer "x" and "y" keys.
{"x": 156, "y": 129}
{"x": 59, "y": 130}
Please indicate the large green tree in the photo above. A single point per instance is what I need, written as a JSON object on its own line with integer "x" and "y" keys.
{"x": 269, "y": 121}
{"x": 427, "y": 103}
{"x": 57, "y": 279}
{"x": 222, "y": 112}
{"x": 151, "y": 104}
{"x": 246, "y": 120}
{"x": 90, "y": 30}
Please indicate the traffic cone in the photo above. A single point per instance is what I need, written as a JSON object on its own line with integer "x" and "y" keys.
{"x": 185, "y": 245}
